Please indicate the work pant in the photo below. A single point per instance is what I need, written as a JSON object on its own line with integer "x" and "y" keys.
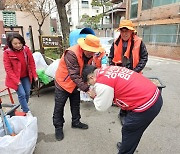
{"x": 135, "y": 125}
{"x": 23, "y": 93}
{"x": 61, "y": 97}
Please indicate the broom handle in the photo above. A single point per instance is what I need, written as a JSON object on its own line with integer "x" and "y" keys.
{"x": 2, "y": 117}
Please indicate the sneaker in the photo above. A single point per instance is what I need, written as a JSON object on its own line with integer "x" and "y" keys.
{"x": 80, "y": 125}
{"x": 29, "y": 114}
{"x": 59, "y": 134}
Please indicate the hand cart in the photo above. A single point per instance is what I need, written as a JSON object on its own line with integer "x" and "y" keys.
{"x": 10, "y": 108}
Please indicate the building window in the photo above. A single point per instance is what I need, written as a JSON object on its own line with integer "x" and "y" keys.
{"x": 85, "y": 4}
{"x": 134, "y": 9}
{"x": 163, "y": 2}
{"x": 9, "y": 18}
{"x": 146, "y": 4}
{"x": 161, "y": 34}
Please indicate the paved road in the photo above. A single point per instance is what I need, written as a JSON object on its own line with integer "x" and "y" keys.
{"x": 162, "y": 137}
{"x": 2, "y": 72}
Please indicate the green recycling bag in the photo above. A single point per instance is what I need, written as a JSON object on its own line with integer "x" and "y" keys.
{"x": 42, "y": 76}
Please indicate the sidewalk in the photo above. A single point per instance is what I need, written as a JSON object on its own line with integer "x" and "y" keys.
{"x": 2, "y": 73}
{"x": 104, "y": 131}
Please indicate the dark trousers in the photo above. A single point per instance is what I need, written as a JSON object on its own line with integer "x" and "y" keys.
{"x": 135, "y": 125}
{"x": 61, "y": 97}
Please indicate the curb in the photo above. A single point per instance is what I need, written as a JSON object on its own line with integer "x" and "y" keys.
{"x": 167, "y": 59}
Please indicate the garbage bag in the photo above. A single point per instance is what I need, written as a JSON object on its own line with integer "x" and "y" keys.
{"x": 85, "y": 97}
{"x": 25, "y": 128}
{"x": 39, "y": 61}
{"x": 51, "y": 69}
{"x": 42, "y": 76}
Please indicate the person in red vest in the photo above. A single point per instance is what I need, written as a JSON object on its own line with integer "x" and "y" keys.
{"x": 129, "y": 51}
{"x": 20, "y": 69}
{"x": 68, "y": 81}
{"x": 130, "y": 91}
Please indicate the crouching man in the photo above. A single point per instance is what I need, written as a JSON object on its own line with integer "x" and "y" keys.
{"x": 131, "y": 92}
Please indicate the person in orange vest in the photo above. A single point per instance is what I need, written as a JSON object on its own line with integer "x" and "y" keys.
{"x": 68, "y": 81}
{"x": 129, "y": 51}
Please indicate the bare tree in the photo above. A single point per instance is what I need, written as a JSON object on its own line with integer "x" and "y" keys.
{"x": 40, "y": 9}
{"x": 63, "y": 20}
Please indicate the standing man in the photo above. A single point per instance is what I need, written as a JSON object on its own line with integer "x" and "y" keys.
{"x": 130, "y": 91}
{"x": 68, "y": 81}
{"x": 129, "y": 51}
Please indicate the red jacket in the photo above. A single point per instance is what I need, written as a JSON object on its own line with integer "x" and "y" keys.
{"x": 12, "y": 67}
{"x": 132, "y": 91}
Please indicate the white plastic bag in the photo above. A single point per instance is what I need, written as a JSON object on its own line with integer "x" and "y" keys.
{"x": 39, "y": 61}
{"x": 25, "y": 140}
{"x": 85, "y": 97}
{"x": 51, "y": 69}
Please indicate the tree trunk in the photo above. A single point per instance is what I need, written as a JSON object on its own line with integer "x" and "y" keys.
{"x": 64, "y": 21}
{"x": 102, "y": 14}
{"x": 40, "y": 30}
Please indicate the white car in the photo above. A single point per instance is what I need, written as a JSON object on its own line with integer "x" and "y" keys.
{"x": 106, "y": 43}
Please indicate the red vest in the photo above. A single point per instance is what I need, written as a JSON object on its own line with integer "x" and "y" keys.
{"x": 132, "y": 91}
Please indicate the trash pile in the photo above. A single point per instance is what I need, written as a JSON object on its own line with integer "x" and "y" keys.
{"x": 46, "y": 73}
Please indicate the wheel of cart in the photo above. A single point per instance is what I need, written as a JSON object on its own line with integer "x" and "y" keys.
{"x": 11, "y": 108}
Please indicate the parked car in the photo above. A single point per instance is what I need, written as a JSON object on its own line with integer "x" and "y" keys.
{"x": 106, "y": 43}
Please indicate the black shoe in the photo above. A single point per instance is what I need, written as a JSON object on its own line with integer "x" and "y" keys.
{"x": 119, "y": 146}
{"x": 59, "y": 134}
{"x": 80, "y": 125}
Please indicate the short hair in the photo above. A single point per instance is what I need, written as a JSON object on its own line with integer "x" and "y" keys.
{"x": 88, "y": 69}
{"x": 11, "y": 37}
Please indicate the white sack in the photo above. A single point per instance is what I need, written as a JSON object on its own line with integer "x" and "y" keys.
{"x": 39, "y": 61}
{"x": 24, "y": 142}
{"x": 51, "y": 69}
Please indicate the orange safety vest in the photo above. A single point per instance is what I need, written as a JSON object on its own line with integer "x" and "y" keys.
{"x": 135, "y": 51}
{"x": 96, "y": 60}
{"x": 62, "y": 76}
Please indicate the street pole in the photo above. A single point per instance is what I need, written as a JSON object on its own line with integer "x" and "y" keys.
{"x": 78, "y": 11}
{"x": 112, "y": 23}
{"x": 31, "y": 39}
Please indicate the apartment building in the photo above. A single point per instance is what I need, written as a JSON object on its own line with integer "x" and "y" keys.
{"x": 158, "y": 23}
{"x": 20, "y": 22}
{"x": 77, "y": 8}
